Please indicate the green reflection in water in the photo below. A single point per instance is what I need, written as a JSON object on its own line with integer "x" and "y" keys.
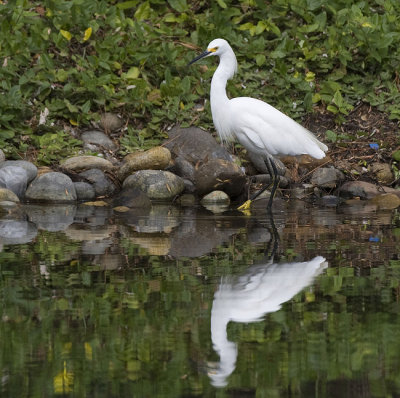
{"x": 123, "y": 307}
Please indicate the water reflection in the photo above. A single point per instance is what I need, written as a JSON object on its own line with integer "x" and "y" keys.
{"x": 261, "y": 290}
{"x": 246, "y": 298}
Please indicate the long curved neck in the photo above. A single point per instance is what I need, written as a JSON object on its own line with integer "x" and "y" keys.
{"x": 226, "y": 69}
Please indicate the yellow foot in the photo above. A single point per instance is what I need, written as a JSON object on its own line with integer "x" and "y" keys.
{"x": 245, "y": 206}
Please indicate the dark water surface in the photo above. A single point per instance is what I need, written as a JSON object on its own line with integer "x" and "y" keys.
{"x": 184, "y": 302}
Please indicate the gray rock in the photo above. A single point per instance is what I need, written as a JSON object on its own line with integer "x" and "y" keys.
{"x": 30, "y": 168}
{"x": 51, "y": 187}
{"x": 363, "y": 190}
{"x": 156, "y": 158}
{"x": 259, "y": 164}
{"x": 183, "y": 168}
{"x": 2, "y": 156}
{"x": 84, "y": 191}
{"x": 216, "y": 197}
{"x": 102, "y": 185}
{"x": 14, "y": 178}
{"x": 8, "y": 195}
{"x": 156, "y": 184}
{"x": 330, "y": 201}
{"x": 81, "y": 163}
{"x": 95, "y": 140}
{"x": 194, "y": 145}
{"x": 55, "y": 217}
{"x": 219, "y": 174}
{"x": 327, "y": 177}
{"x": 132, "y": 197}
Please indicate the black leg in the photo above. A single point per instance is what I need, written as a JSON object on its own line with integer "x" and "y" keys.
{"x": 273, "y": 172}
{"x": 275, "y": 184}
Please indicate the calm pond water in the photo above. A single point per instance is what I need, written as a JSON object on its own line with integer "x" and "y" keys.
{"x": 184, "y": 302}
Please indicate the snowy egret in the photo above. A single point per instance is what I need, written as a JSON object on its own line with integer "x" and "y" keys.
{"x": 258, "y": 126}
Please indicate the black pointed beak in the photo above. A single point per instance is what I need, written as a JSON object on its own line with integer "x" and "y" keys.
{"x": 202, "y": 55}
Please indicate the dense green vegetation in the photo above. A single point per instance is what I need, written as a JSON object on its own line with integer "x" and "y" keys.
{"x": 80, "y": 58}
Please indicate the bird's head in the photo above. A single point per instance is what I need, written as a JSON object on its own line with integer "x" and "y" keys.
{"x": 216, "y": 47}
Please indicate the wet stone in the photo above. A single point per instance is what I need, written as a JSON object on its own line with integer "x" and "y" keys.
{"x": 51, "y": 187}
{"x": 327, "y": 177}
{"x": 30, "y": 168}
{"x": 386, "y": 201}
{"x": 216, "y": 197}
{"x": 15, "y": 179}
{"x": 131, "y": 197}
{"x": 81, "y": 163}
{"x": 156, "y": 184}
{"x": 8, "y": 195}
{"x": 156, "y": 158}
{"x": 102, "y": 185}
{"x": 84, "y": 191}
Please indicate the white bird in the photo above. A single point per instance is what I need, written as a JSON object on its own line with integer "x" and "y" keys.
{"x": 258, "y": 126}
{"x": 261, "y": 290}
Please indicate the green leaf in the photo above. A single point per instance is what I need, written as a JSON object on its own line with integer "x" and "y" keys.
{"x": 178, "y": 5}
{"x": 222, "y": 3}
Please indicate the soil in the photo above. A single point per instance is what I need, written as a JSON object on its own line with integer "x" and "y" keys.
{"x": 367, "y": 136}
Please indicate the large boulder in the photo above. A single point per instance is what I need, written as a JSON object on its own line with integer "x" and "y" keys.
{"x": 51, "y": 187}
{"x": 199, "y": 158}
{"x": 156, "y": 184}
{"x": 220, "y": 175}
{"x": 30, "y": 168}
{"x": 14, "y": 178}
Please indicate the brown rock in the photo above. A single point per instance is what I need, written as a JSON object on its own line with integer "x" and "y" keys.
{"x": 383, "y": 172}
{"x": 156, "y": 158}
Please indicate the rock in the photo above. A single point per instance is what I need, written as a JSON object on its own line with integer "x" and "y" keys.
{"x": 30, "y": 168}
{"x": 102, "y": 185}
{"x": 110, "y": 122}
{"x": 95, "y": 140}
{"x": 131, "y": 197}
{"x": 327, "y": 177}
{"x": 219, "y": 174}
{"x": 183, "y": 168}
{"x": 194, "y": 145}
{"x": 329, "y": 201}
{"x": 302, "y": 192}
{"x": 387, "y": 201}
{"x": 156, "y": 184}
{"x": 81, "y": 163}
{"x": 2, "y": 156}
{"x": 15, "y": 179}
{"x": 216, "y": 197}
{"x": 8, "y": 195}
{"x": 51, "y": 187}
{"x": 156, "y": 158}
{"x": 383, "y": 172}
{"x": 55, "y": 217}
{"x": 84, "y": 191}
{"x": 259, "y": 163}
{"x": 362, "y": 189}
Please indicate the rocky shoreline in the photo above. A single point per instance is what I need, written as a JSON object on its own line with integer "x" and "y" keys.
{"x": 190, "y": 167}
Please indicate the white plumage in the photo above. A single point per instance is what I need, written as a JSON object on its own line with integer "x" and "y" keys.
{"x": 258, "y": 126}
{"x": 261, "y": 290}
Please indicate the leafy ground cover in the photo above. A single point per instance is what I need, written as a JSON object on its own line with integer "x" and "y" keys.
{"x": 63, "y": 64}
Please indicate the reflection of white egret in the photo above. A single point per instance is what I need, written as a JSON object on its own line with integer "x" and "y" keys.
{"x": 262, "y": 289}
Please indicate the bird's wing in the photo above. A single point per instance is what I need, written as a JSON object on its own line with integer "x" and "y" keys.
{"x": 259, "y": 126}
